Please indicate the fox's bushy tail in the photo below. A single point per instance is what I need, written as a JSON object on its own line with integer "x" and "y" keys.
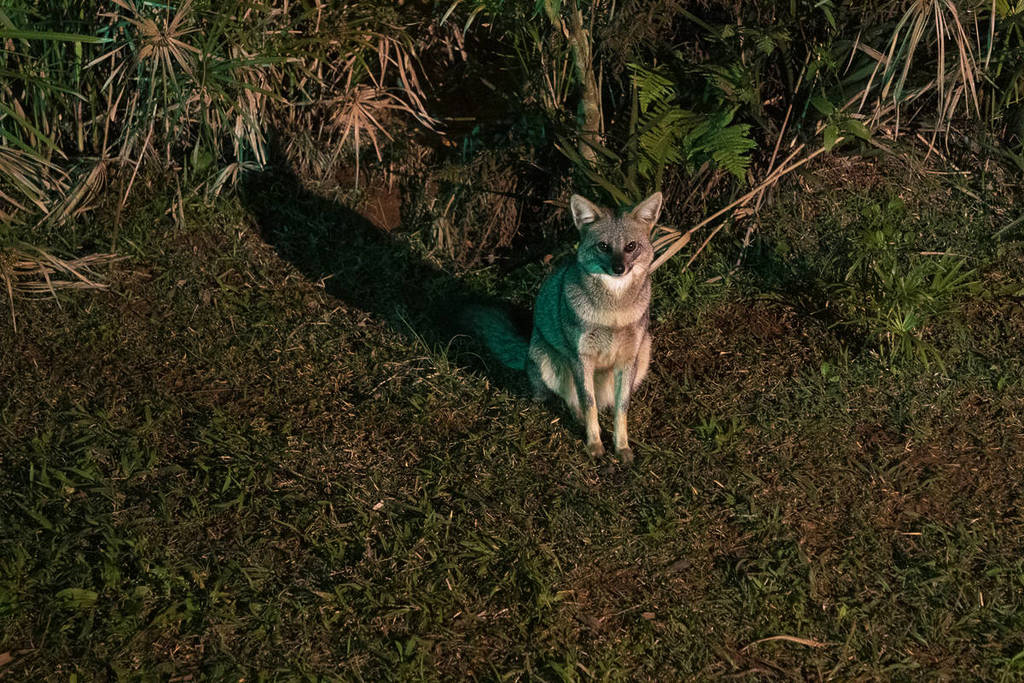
{"x": 504, "y": 338}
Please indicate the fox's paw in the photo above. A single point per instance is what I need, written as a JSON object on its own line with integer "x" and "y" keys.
{"x": 625, "y": 455}
{"x": 595, "y": 450}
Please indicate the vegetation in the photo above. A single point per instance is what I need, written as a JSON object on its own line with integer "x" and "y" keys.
{"x": 241, "y": 437}
{"x": 230, "y": 465}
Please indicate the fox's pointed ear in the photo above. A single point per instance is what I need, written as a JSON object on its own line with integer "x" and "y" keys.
{"x": 648, "y": 210}
{"x": 584, "y": 212}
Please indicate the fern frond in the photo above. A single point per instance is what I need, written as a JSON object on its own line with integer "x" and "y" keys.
{"x": 660, "y": 136}
{"x": 731, "y": 149}
{"x": 718, "y": 139}
{"x": 653, "y": 85}
{"x": 666, "y": 133}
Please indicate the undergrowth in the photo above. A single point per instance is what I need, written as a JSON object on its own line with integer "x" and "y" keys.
{"x": 257, "y": 456}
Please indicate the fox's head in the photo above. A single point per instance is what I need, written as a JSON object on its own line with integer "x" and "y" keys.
{"x": 615, "y": 245}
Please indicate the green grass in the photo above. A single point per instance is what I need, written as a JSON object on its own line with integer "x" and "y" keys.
{"x": 228, "y": 467}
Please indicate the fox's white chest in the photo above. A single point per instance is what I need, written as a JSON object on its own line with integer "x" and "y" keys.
{"x": 615, "y": 284}
{"x": 613, "y": 302}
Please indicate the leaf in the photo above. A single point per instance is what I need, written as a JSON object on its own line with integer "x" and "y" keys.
{"x": 566, "y": 148}
{"x": 660, "y": 135}
{"x": 831, "y": 136}
{"x": 728, "y": 145}
{"x": 826, "y": 7}
{"x": 855, "y": 127}
{"x": 21, "y": 120}
{"x": 50, "y": 35}
{"x": 822, "y": 105}
{"x": 79, "y": 598}
{"x": 38, "y": 516}
{"x": 652, "y": 85}
{"x": 451, "y": 8}
{"x": 733, "y": 144}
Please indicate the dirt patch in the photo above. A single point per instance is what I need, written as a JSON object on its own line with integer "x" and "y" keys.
{"x": 739, "y": 344}
{"x": 382, "y": 206}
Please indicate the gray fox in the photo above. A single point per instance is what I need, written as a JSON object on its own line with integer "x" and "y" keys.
{"x": 590, "y": 345}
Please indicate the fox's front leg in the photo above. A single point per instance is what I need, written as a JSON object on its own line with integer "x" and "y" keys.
{"x": 623, "y": 389}
{"x": 588, "y": 406}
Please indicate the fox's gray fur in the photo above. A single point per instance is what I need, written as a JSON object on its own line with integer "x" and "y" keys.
{"x": 506, "y": 341}
{"x": 590, "y": 345}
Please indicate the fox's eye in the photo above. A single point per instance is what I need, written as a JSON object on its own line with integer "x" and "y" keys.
{"x": 603, "y": 246}
{"x": 631, "y": 246}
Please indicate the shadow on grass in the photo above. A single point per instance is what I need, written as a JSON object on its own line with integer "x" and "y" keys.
{"x": 806, "y": 284}
{"x": 374, "y": 271}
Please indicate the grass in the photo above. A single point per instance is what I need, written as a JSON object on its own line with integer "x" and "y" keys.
{"x": 228, "y": 466}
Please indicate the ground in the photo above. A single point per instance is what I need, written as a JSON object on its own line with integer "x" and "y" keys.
{"x": 257, "y": 456}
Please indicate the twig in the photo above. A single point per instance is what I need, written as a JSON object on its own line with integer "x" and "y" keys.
{"x": 1012, "y": 224}
{"x": 10, "y": 299}
{"x": 789, "y": 639}
{"x": 772, "y": 177}
{"x": 932, "y": 149}
{"x": 747, "y": 236}
{"x": 703, "y": 244}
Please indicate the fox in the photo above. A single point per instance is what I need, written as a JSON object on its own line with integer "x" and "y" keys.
{"x": 590, "y": 345}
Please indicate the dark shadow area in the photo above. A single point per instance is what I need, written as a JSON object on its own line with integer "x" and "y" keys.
{"x": 803, "y": 284}
{"x": 377, "y": 272}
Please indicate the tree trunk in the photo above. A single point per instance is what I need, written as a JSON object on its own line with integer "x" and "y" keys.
{"x": 589, "y": 120}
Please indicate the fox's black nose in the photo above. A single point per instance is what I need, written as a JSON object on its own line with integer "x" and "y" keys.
{"x": 618, "y": 268}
